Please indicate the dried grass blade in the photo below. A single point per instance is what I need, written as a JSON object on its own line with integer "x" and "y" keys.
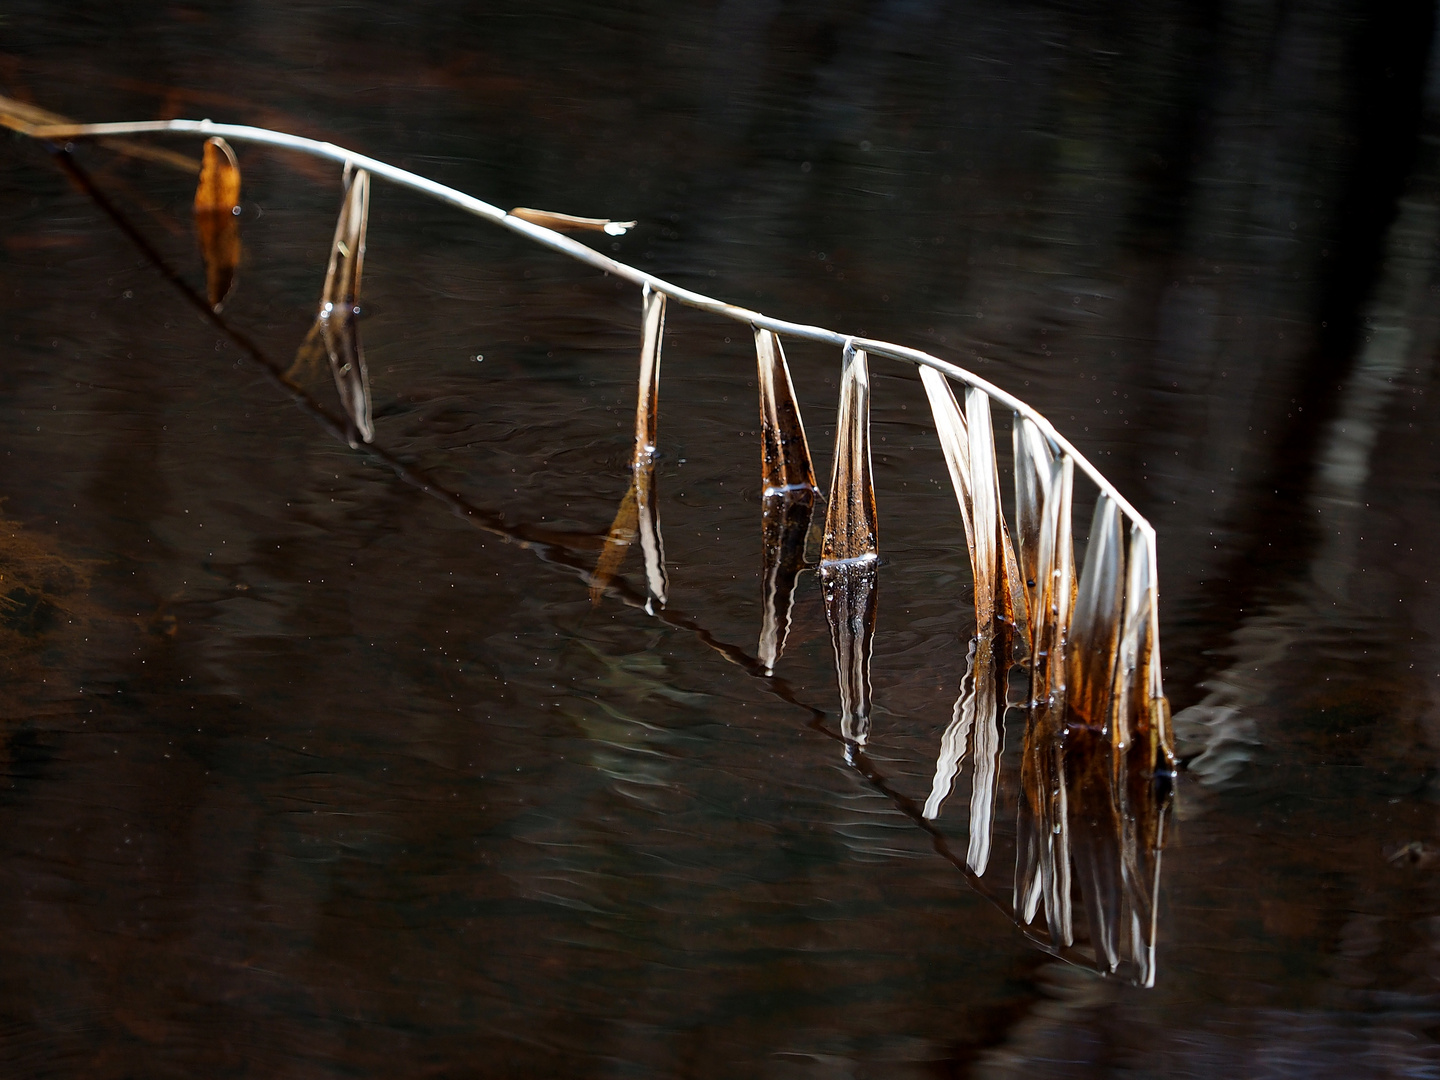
{"x": 784, "y": 452}
{"x": 851, "y": 533}
{"x": 1095, "y": 627}
{"x": 647, "y": 402}
{"x": 850, "y": 605}
{"x": 623, "y": 531}
{"x": 31, "y": 119}
{"x": 784, "y": 525}
{"x": 1033, "y": 459}
{"x": 217, "y": 204}
{"x": 954, "y": 445}
{"x": 336, "y": 324}
{"x": 571, "y": 223}
{"x": 984, "y": 510}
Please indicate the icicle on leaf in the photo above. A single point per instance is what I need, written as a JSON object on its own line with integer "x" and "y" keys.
{"x": 850, "y": 604}
{"x": 335, "y": 334}
{"x": 652, "y": 544}
{"x": 784, "y": 524}
{"x": 850, "y": 527}
{"x": 954, "y": 444}
{"x": 217, "y": 222}
{"x": 784, "y": 452}
{"x": 571, "y": 223}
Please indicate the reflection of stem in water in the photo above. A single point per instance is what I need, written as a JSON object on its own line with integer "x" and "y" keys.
{"x": 850, "y": 602}
{"x": 784, "y": 524}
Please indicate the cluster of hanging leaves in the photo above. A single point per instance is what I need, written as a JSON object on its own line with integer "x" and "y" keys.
{"x": 1096, "y": 757}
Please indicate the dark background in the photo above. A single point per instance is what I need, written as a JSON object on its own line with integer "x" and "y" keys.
{"x": 305, "y": 777}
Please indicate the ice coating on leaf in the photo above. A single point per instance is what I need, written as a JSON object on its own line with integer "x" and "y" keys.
{"x": 217, "y": 224}
{"x": 647, "y": 403}
{"x": 954, "y": 443}
{"x": 850, "y": 527}
{"x": 850, "y": 605}
{"x": 1033, "y": 459}
{"x": 1095, "y": 626}
{"x": 784, "y": 451}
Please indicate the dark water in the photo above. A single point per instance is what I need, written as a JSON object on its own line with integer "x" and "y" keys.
{"x": 305, "y": 776}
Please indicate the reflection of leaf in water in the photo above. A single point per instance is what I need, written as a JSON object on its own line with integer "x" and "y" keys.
{"x": 850, "y": 607}
{"x": 639, "y": 513}
{"x": 217, "y": 223}
{"x": 44, "y": 599}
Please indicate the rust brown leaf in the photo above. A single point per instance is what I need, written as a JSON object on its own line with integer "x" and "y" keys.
{"x": 784, "y": 451}
{"x": 217, "y": 223}
{"x": 571, "y": 223}
{"x": 851, "y": 532}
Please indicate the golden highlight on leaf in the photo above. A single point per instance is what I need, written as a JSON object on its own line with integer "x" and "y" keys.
{"x": 784, "y": 451}
{"x": 851, "y": 532}
{"x": 217, "y": 223}
{"x": 571, "y": 223}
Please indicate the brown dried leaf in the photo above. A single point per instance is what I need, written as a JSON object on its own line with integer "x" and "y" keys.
{"x": 647, "y": 402}
{"x": 217, "y": 206}
{"x": 336, "y": 330}
{"x": 571, "y": 223}
{"x": 784, "y": 451}
{"x": 850, "y": 526}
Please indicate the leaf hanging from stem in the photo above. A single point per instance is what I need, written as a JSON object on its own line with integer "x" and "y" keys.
{"x": 217, "y": 222}
{"x": 784, "y": 452}
{"x": 851, "y": 533}
{"x": 336, "y": 331}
